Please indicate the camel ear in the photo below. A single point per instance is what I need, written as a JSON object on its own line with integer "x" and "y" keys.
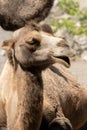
{"x": 7, "y": 44}
{"x": 46, "y": 28}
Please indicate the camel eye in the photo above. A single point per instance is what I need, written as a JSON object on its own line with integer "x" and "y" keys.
{"x": 34, "y": 42}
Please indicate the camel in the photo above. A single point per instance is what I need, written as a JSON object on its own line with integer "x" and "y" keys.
{"x": 64, "y": 105}
{"x": 64, "y": 99}
{"x": 21, "y": 84}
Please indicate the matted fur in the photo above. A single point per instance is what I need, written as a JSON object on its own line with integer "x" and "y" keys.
{"x": 15, "y": 13}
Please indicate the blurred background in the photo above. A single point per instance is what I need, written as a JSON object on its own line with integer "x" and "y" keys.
{"x": 68, "y": 19}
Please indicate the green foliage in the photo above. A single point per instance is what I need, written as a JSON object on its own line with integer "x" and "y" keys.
{"x": 71, "y": 7}
{"x": 70, "y": 25}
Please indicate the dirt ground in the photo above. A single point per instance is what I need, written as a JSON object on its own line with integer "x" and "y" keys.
{"x": 79, "y": 70}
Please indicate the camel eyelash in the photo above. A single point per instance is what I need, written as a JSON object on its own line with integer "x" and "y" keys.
{"x": 33, "y": 42}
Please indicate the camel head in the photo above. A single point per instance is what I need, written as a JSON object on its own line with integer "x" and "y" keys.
{"x": 32, "y": 47}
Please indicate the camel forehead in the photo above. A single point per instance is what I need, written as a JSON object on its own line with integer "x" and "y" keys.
{"x": 32, "y": 34}
{"x": 44, "y": 37}
{"x": 26, "y": 36}
{"x": 50, "y": 39}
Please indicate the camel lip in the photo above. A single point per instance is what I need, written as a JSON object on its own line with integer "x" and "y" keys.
{"x": 63, "y": 60}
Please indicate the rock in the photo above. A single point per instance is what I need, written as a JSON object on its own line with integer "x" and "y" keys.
{"x": 83, "y": 4}
{"x": 82, "y": 41}
{"x": 2, "y": 53}
{"x": 55, "y": 12}
{"x": 84, "y": 55}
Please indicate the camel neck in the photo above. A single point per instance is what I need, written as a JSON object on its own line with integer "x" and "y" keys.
{"x": 30, "y": 98}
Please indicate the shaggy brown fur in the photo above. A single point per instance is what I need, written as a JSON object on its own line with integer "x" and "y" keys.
{"x": 67, "y": 99}
{"x": 15, "y": 13}
{"x": 64, "y": 98}
{"x": 21, "y": 87}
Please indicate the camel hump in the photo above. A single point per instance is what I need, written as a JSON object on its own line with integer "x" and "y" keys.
{"x": 15, "y": 13}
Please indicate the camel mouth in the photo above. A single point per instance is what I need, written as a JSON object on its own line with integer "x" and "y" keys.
{"x": 64, "y": 60}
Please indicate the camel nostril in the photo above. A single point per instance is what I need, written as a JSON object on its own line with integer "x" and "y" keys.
{"x": 61, "y": 42}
